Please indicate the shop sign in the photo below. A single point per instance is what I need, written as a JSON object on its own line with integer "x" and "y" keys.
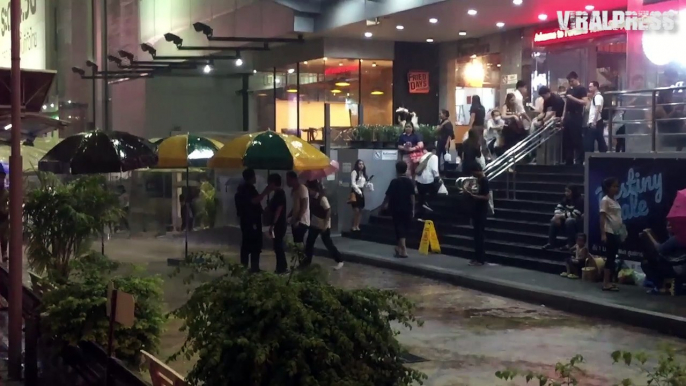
{"x": 335, "y": 70}
{"x": 32, "y": 31}
{"x": 511, "y": 78}
{"x": 557, "y": 35}
{"x": 418, "y": 82}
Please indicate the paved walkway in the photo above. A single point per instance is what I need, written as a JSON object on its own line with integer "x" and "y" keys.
{"x": 631, "y": 305}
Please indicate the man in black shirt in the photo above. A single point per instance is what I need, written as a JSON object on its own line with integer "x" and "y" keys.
{"x": 399, "y": 200}
{"x": 446, "y": 133}
{"x": 572, "y": 134}
{"x": 553, "y": 105}
{"x": 278, "y": 226}
{"x": 249, "y": 210}
{"x": 480, "y": 209}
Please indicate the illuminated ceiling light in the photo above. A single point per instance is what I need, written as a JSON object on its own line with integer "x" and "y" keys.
{"x": 377, "y": 92}
{"x": 498, "y": 64}
{"x": 290, "y": 70}
{"x": 367, "y": 34}
{"x": 500, "y": 24}
{"x": 305, "y": 62}
{"x": 340, "y": 64}
{"x": 429, "y": 40}
{"x": 254, "y": 71}
{"x": 471, "y": 12}
{"x": 261, "y": 94}
{"x": 342, "y": 84}
{"x": 7, "y": 127}
{"x": 207, "y": 69}
{"x": 52, "y": 105}
{"x": 433, "y": 20}
{"x": 69, "y": 101}
{"x": 45, "y": 107}
{"x": 462, "y": 33}
{"x": 70, "y": 117}
{"x": 373, "y": 64}
{"x": 542, "y": 16}
{"x": 399, "y": 27}
{"x": 473, "y": 56}
{"x": 239, "y": 62}
{"x": 292, "y": 90}
{"x": 517, "y": 2}
{"x": 589, "y": 8}
{"x": 334, "y": 91}
{"x": 324, "y": 59}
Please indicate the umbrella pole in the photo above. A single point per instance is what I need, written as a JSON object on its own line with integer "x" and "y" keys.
{"x": 185, "y": 208}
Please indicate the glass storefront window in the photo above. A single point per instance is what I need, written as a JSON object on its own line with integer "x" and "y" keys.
{"x": 262, "y": 98}
{"x": 377, "y": 92}
{"x": 476, "y": 75}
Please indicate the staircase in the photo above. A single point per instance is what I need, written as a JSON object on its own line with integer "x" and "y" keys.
{"x": 514, "y": 236}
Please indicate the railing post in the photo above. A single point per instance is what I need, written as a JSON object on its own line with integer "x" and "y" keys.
{"x": 507, "y": 185}
{"x": 609, "y": 122}
{"x": 514, "y": 179}
{"x": 654, "y": 124}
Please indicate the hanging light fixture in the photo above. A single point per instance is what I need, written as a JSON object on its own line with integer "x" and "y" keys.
{"x": 377, "y": 92}
{"x": 291, "y": 90}
{"x": 335, "y": 91}
{"x": 342, "y": 83}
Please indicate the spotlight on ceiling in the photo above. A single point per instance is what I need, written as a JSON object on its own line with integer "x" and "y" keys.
{"x": 367, "y": 34}
{"x": 75, "y": 70}
{"x": 471, "y": 12}
{"x": 373, "y": 64}
{"x": 125, "y": 54}
{"x": 239, "y": 62}
{"x": 429, "y": 40}
{"x": 399, "y": 27}
{"x": 91, "y": 64}
{"x": 254, "y": 71}
{"x": 204, "y": 28}
{"x": 290, "y": 70}
{"x": 590, "y": 8}
{"x": 114, "y": 59}
{"x": 207, "y": 69}
{"x": 462, "y": 33}
{"x": 542, "y": 16}
{"x": 500, "y": 24}
{"x": 517, "y": 2}
{"x": 433, "y": 20}
{"x": 149, "y": 49}
{"x": 170, "y": 37}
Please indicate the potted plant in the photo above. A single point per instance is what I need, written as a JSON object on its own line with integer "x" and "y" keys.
{"x": 364, "y": 134}
{"x": 391, "y": 134}
{"x": 428, "y": 133}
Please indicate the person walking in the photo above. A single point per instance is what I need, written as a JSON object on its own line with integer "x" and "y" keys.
{"x": 572, "y": 133}
{"x": 596, "y": 125}
{"x": 400, "y": 202}
{"x": 612, "y": 230}
{"x": 477, "y": 118}
{"x": 321, "y": 225}
{"x": 277, "y": 223}
{"x": 359, "y": 182}
{"x": 428, "y": 178}
{"x": 446, "y": 134}
{"x": 479, "y": 215}
{"x": 300, "y": 214}
{"x": 249, "y": 209}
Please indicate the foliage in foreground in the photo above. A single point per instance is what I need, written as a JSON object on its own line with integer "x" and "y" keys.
{"x": 76, "y": 311}
{"x": 62, "y": 219}
{"x": 666, "y": 372}
{"x": 266, "y": 329}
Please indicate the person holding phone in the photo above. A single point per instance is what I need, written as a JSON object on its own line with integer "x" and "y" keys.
{"x": 359, "y": 182}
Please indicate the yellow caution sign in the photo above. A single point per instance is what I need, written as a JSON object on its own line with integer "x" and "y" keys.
{"x": 429, "y": 241}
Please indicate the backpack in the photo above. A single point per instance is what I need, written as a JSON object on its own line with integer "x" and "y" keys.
{"x": 604, "y": 113}
{"x": 422, "y": 165}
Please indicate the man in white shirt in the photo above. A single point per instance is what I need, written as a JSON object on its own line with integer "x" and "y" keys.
{"x": 300, "y": 214}
{"x": 427, "y": 173}
{"x": 519, "y": 97}
{"x": 596, "y": 126}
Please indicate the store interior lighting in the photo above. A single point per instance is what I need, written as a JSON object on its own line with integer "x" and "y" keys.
{"x": 433, "y": 20}
{"x": 590, "y": 8}
{"x": 543, "y": 16}
{"x": 342, "y": 83}
{"x": 462, "y": 33}
{"x": 517, "y": 2}
{"x": 399, "y": 27}
{"x": 471, "y": 12}
{"x": 335, "y": 91}
{"x": 377, "y": 92}
{"x": 292, "y": 90}
{"x": 207, "y": 69}
{"x": 239, "y": 62}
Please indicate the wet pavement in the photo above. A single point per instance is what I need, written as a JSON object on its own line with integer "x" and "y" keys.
{"x": 467, "y": 335}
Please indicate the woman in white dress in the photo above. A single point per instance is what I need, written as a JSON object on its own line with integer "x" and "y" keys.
{"x": 359, "y": 182}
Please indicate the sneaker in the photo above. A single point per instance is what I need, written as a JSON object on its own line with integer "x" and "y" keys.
{"x": 564, "y": 274}
{"x": 338, "y": 266}
{"x": 572, "y": 276}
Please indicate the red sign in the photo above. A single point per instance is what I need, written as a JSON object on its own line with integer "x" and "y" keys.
{"x": 418, "y": 82}
{"x": 341, "y": 70}
{"x": 556, "y": 35}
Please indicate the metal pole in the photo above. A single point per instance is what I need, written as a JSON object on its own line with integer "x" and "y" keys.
{"x": 654, "y": 124}
{"x": 246, "y": 102}
{"x": 105, "y": 62}
{"x": 94, "y": 55}
{"x": 274, "y": 98}
{"x": 609, "y": 124}
{"x": 327, "y": 129}
{"x": 297, "y": 95}
{"x": 16, "y": 201}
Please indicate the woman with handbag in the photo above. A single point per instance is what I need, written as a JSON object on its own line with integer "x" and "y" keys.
{"x": 410, "y": 145}
{"x": 612, "y": 229}
{"x": 359, "y": 182}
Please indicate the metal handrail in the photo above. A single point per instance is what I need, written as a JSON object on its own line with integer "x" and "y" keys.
{"x": 526, "y": 146}
{"x": 516, "y": 148}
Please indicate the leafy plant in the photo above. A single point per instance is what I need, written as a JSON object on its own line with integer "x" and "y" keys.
{"x": 208, "y": 195}
{"x": 364, "y": 133}
{"x": 428, "y": 134}
{"x": 668, "y": 371}
{"x": 61, "y": 219}
{"x": 566, "y": 374}
{"x": 76, "y": 310}
{"x": 390, "y": 133}
{"x": 267, "y": 329}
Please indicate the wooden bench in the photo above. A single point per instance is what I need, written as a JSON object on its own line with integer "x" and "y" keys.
{"x": 161, "y": 374}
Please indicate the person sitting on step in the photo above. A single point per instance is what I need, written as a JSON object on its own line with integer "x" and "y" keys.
{"x": 578, "y": 260}
{"x": 567, "y": 216}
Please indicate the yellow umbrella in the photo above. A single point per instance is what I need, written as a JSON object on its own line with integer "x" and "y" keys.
{"x": 182, "y": 151}
{"x": 270, "y": 151}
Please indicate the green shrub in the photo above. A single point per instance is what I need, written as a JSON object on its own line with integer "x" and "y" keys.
{"x": 266, "y": 329}
{"x": 76, "y": 311}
